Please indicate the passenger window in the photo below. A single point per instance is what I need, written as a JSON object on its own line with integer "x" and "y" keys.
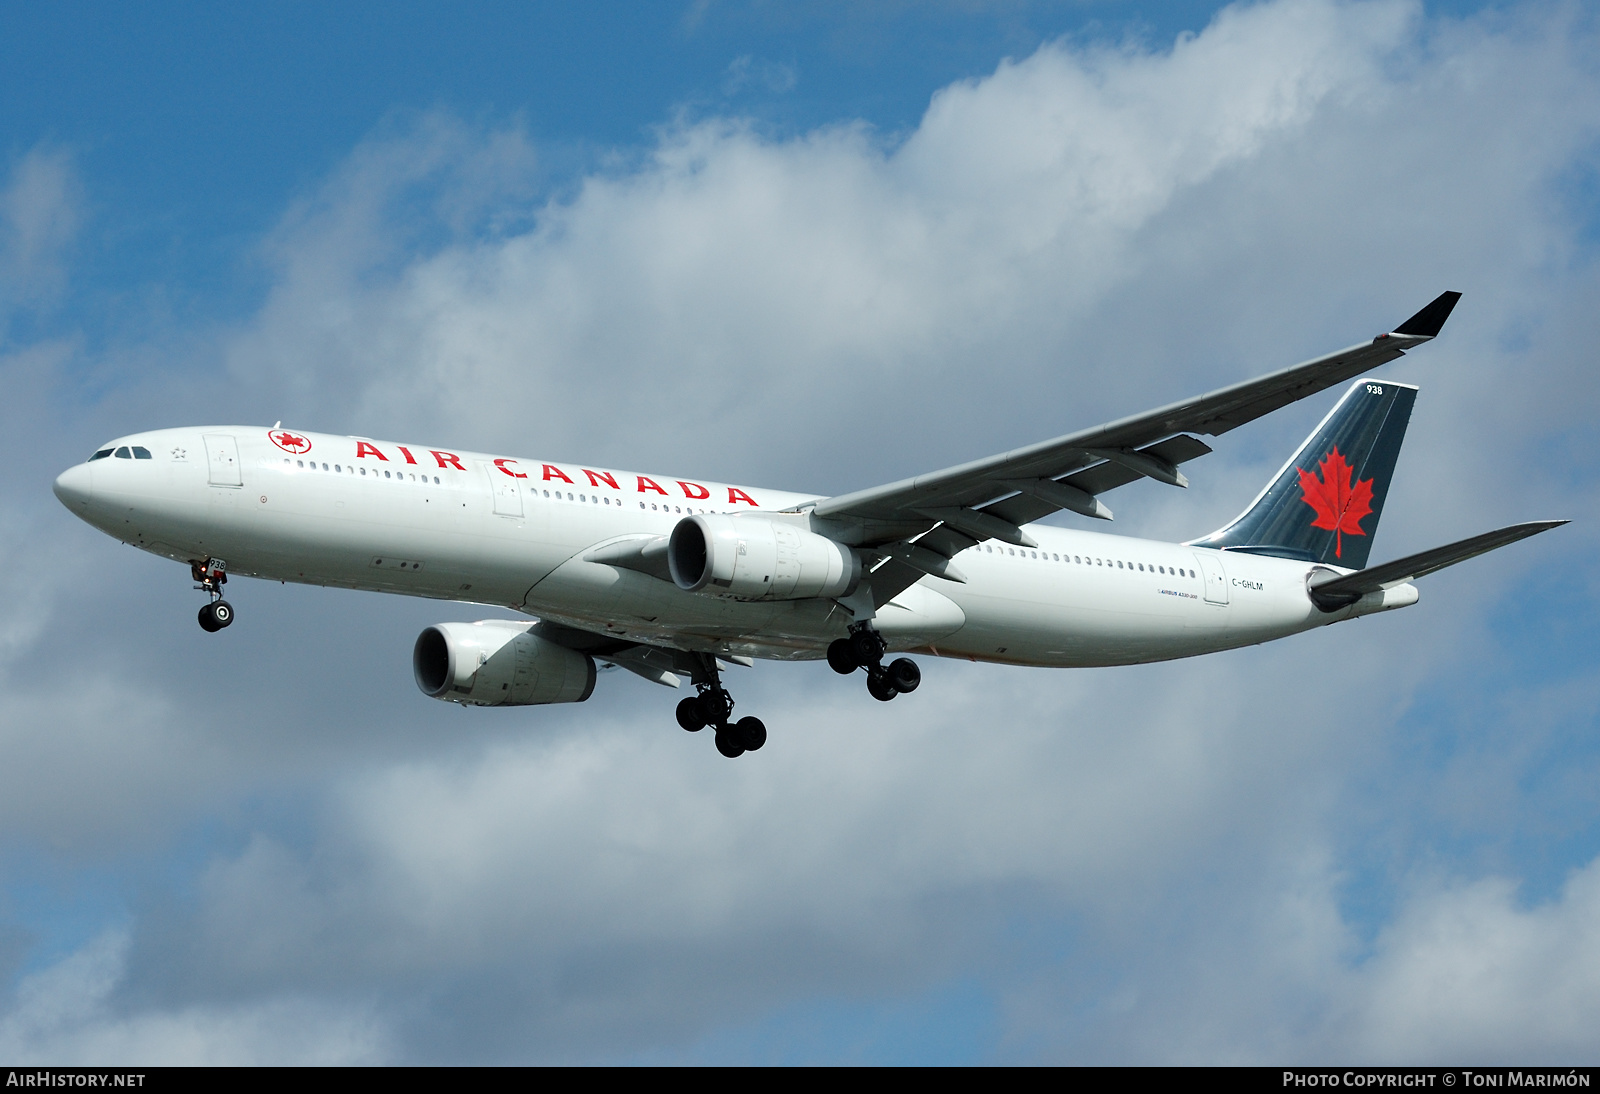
{"x": 339, "y": 469}
{"x": 140, "y": 453}
{"x": 100, "y": 455}
{"x": 299, "y": 463}
{"x": 436, "y": 480}
{"x": 123, "y": 453}
{"x": 386, "y": 475}
{"x": 363, "y": 470}
{"x": 324, "y": 467}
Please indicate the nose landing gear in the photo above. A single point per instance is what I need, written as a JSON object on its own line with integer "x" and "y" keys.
{"x": 864, "y": 649}
{"x": 212, "y": 575}
{"x": 713, "y": 706}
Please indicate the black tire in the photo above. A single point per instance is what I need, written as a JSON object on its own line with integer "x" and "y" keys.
{"x": 841, "y": 658}
{"x": 222, "y": 614}
{"x": 867, "y": 646}
{"x": 689, "y": 714}
{"x": 750, "y": 732}
{"x": 714, "y": 707}
{"x": 879, "y": 688}
{"x": 904, "y": 675}
{"x": 728, "y": 745}
{"x": 208, "y": 622}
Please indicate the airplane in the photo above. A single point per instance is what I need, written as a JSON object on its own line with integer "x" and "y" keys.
{"x": 668, "y": 577}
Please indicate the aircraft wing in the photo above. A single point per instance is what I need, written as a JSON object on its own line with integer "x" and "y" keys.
{"x": 952, "y": 509}
{"x": 1106, "y": 456}
{"x": 658, "y": 664}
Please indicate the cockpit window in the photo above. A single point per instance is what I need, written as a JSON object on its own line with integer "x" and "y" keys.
{"x": 141, "y": 453}
{"x": 123, "y": 453}
{"x": 100, "y": 455}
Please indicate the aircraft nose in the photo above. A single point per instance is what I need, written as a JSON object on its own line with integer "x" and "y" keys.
{"x": 75, "y": 486}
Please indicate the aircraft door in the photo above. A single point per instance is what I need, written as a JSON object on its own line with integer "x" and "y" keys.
{"x": 506, "y": 491}
{"x": 222, "y": 460}
{"x": 1216, "y": 577}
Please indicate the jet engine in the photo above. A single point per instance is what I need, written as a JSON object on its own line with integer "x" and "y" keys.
{"x": 753, "y": 558}
{"x": 498, "y": 663}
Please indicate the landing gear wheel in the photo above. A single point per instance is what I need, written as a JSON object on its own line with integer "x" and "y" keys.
{"x": 904, "y": 674}
{"x": 879, "y": 687}
{"x": 714, "y": 706}
{"x": 841, "y": 657}
{"x": 867, "y": 645}
{"x": 222, "y": 614}
{"x": 750, "y": 732}
{"x": 727, "y": 744}
{"x": 208, "y": 619}
{"x": 689, "y": 715}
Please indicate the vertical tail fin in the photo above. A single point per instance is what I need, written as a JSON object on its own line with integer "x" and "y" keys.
{"x": 1324, "y": 505}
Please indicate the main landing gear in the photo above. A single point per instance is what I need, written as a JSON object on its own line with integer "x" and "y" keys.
{"x": 211, "y": 577}
{"x": 864, "y": 649}
{"x": 713, "y": 706}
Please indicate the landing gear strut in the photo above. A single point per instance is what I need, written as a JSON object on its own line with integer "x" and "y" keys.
{"x": 713, "y": 706}
{"x": 212, "y": 576}
{"x": 864, "y": 649}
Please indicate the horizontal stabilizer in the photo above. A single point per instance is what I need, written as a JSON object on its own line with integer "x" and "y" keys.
{"x": 1339, "y": 592}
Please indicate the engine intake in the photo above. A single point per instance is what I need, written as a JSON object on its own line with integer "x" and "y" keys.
{"x": 754, "y": 558}
{"x": 498, "y": 663}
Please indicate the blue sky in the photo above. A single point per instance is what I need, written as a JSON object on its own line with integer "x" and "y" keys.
{"x": 198, "y": 125}
{"x": 734, "y": 240}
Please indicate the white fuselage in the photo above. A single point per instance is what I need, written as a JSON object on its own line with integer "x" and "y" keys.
{"x": 487, "y": 529}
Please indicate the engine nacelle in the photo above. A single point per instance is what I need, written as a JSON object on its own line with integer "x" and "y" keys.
{"x": 498, "y": 663}
{"x": 753, "y": 558}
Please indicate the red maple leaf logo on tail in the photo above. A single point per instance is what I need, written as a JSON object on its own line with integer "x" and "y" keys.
{"x": 1340, "y": 502}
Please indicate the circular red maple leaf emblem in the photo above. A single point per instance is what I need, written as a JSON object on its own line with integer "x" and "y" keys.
{"x": 289, "y": 442}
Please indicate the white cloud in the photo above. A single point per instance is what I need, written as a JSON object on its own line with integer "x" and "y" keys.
{"x": 1466, "y": 973}
{"x": 40, "y": 210}
{"x": 63, "y": 1016}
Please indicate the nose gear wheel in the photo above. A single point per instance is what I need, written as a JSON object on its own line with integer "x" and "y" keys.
{"x": 211, "y": 576}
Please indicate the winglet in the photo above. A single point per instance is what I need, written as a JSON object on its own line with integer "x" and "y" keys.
{"x": 1430, "y": 320}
